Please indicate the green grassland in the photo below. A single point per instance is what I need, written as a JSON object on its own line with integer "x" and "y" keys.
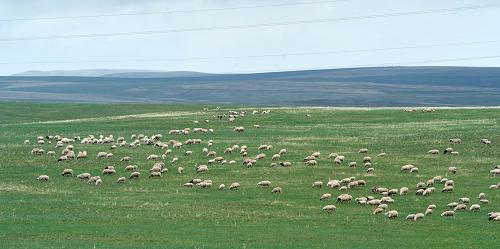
{"x": 161, "y": 213}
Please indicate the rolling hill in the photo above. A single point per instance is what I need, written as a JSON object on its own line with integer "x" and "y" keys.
{"x": 372, "y": 87}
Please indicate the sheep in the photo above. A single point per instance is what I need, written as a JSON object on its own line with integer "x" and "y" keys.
{"x": 93, "y": 179}
{"x": 433, "y": 152}
{"x": 135, "y": 175}
{"x": 329, "y": 208}
{"x": 316, "y": 154}
{"x": 333, "y": 184}
{"x": 188, "y": 185}
{"x": 260, "y": 156}
{"x": 378, "y": 210}
{"x": 317, "y": 184}
{"x": 282, "y": 151}
{"x": 452, "y": 169}
{"x": 125, "y": 159}
{"x": 484, "y": 201}
{"x": 455, "y": 140}
{"x": 155, "y": 174}
{"x": 130, "y": 167}
{"x": 493, "y": 215}
{"x": 403, "y": 191}
{"x": 429, "y": 211}
{"x": 414, "y": 170}
{"x": 374, "y": 202}
{"x": 418, "y": 216}
{"x": 202, "y": 169}
{"x": 67, "y": 172}
{"x": 447, "y": 150}
{"x": 43, "y": 178}
{"x": 495, "y": 172}
{"x": 382, "y": 154}
{"x": 221, "y": 187}
{"x": 352, "y": 164}
{"x": 363, "y": 150}
{"x": 482, "y": 196}
{"x": 410, "y": 217}
{"x": 454, "y": 153}
{"x": 83, "y": 176}
{"x": 460, "y": 206}
{"x": 370, "y": 171}
{"x": 62, "y": 158}
{"x": 407, "y": 167}
{"x": 326, "y": 196}
{"x": 344, "y": 198}
{"x": 120, "y": 180}
{"x": 275, "y": 157}
{"x": 447, "y": 189}
{"x": 311, "y": 163}
{"x": 51, "y": 153}
{"x": 152, "y": 157}
{"x": 277, "y": 190}
{"x": 81, "y": 154}
{"x": 475, "y": 207}
{"x": 239, "y": 129}
{"x": 98, "y": 182}
{"x": 286, "y": 164}
{"x": 464, "y": 200}
{"x": 264, "y": 184}
{"x": 392, "y": 214}
{"x": 234, "y": 185}
{"x": 101, "y": 154}
{"x": 108, "y": 171}
{"x": 448, "y": 213}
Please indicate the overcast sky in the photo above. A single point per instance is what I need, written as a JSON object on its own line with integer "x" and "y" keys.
{"x": 315, "y": 38}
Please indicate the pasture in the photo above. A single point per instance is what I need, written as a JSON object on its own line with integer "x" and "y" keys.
{"x": 161, "y": 213}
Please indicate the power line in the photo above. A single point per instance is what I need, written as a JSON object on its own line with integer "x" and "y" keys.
{"x": 230, "y": 27}
{"x": 257, "y": 56}
{"x": 171, "y": 11}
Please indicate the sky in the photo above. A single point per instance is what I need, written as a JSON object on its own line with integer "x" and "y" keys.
{"x": 353, "y": 34}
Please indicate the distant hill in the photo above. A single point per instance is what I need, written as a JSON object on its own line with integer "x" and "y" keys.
{"x": 112, "y": 73}
{"x": 372, "y": 87}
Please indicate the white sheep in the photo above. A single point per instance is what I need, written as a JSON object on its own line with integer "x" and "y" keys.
{"x": 234, "y": 185}
{"x": 277, "y": 190}
{"x": 264, "y": 184}
{"x": 317, "y": 184}
{"x": 120, "y": 180}
{"x": 329, "y": 208}
{"x": 43, "y": 178}
{"x": 475, "y": 207}
{"x": 392, "y": 214}
{"x": 326, "y": 196}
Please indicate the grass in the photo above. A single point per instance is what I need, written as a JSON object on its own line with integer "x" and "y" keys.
{"x": 160, "y": 213}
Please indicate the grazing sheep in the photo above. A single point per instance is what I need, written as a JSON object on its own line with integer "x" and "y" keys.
{"x": 62, "y": 158}
{"x": 155, "y": 174}
{"x": 414, "y": 170}
{"x": 403, "y": 191}
{"x": 130, "y": 167}
{"x": 120, "y": 180}
{"x": 392, "y": 214}
{"x": 447, "y": 150}
{"x": 370, "y": 171}
{"x": 316, "y": 154}
{"x": 286, "y": 164}
{"x": 448, "y": 214}
{"x": 329, "y": 208}
{"x": 410, "y": 217}
{"x": 264, "y": 184}
{"x": 277, "y": 190}
{"x": 452, "y": 169}
{"x": 202, "y": 169}
{"x": 447, "y": 189}
{"x": 311, "y": 163}
{"x": 43, "y": 178}
{"x": 333, "y": 184}
{"x": 432, "y": 206}
{"x": 93, "y": 179}
{"x": 101, "y": 155}
{"x": 475, "y": 207}
{"x": 84, "y": 176}
{"x": 135, "y": 175}
{"x": 81, "y": 154}
{"x": 67, "y": 172}
{"x": 234, "y": 185}
{"x": 460, "y": 206}
{"x": 108, "y": 171}
{"x": 98, "y": 182}
{"x": 239, "y": 129}
{"x": 282, "y": 151}
{"x": 352, "y": 164}
{"x": 363, "y": 150}
{"x": 464, "y": 200}
{"x": 433, "y": 152}
{"x": 180, "y": 170}
{"x": 152, "y": 157}
{"x": 378, "y": 210}
{"x": 495, "y": 172}
{"x": 484, "y": 201}
{"x": 455, "y": 140}
{"x": 344, "y": 198}
{"x": 429, "y": 211}
{"x": 326, "y": 196}
{"x": 222, "y": 187}
{"x": 418, "y": 216}
{"x": 482, "y": 196}
{"x": 317, "y": 184}
{"x": 188, "y": 185}
{"x": 275, "y": 157}
{"x": 407, "y": 167}
{"x": 382, "y": 154}
{"x": 493, "y": 215}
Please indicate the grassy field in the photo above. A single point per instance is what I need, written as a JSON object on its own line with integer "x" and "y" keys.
{"x": 161, "y": 213}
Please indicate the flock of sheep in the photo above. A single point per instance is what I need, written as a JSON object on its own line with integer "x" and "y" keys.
{"x": 380, "y": 199}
